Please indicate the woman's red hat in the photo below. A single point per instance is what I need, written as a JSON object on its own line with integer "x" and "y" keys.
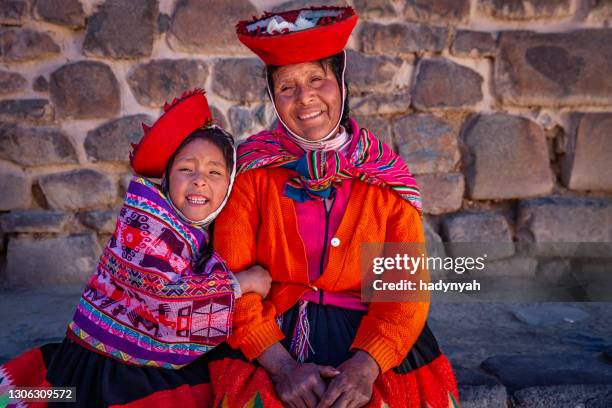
{"x": 296, "y": 36}
{"x": 180, "y": 118}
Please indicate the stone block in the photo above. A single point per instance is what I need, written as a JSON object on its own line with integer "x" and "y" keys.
{"x": 564, "y": 220}
{"x": 523, "y": 371}
{"x": 160, "y": 81}
{"x": 378, "y": 126}
{"x": 218, "y": 117}
{"x": 441, "y": 192}
{"x": 431, "y": 233}
{"x": 547, "y": 314}
{"x": 554, "y": 69}
{"x": 427, "y": 144}
{"x": 78, "y": 190}
{"x": 381, "y": 104}
{"x": 574, "y": 396}
{"x": 595, "y": 278}
{"x": 299, "y": 4}
{"x": 444, "y": 84}
{"x": 26, "y": 110}
{"x": 586, "y": 164}
{"x": 437, "y": 11}
{"x": 12, "y": 12}
{"x": 122, "y": 29}
{"x": 85, "y": 90}
{"x": 435, "y": 248}
{"x": 483, "y": 396}
{"x": 507, "y": 158}
{"x": 366, "y": 73}
{"x": 102, "y": 221}
{"x": 196, "y": 22}
{"x": 474, "y": 43}
{"x": 163, "y": 23}
{"x": 402, "y": 38}
{"x": 373, "y": 9}
{"x": 599, "y": 11}
{"x": 34, "y": 221}
{"x": 124, "y": 183}
{"x": 265, "y": 115}
{"x": 524, "y": 9}
{"x": 41, "y": 84}
{"x": 516, "y": 266}
{"x": 241, "y": 120}
{"x": 488, "y": 233}
{"x": 479, "y": 390}
{"x": 63, "y": 12}
{"x": 16, "y": 188}
{"x": 33, "y": 146}
{"x": 112, "y": 140}
{"x": 240, "y": 79}
{"x": 555, "y": 271}
{"x": 24, "y": 44}
{"x": 11, "y": 82}
{"x": 54, "y": 261}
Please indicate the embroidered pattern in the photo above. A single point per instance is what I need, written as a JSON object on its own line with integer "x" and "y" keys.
{"x": 145, "y": 305}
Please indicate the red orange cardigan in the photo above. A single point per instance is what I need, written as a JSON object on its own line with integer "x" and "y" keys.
{"x": 259, "y": 226}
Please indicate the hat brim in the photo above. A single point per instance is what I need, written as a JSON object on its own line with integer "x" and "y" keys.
{"x": 159, "y": 143}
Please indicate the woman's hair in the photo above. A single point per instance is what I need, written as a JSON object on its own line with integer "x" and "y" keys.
{"x": 225, "y": 142}
{"x": 336, "y": 63}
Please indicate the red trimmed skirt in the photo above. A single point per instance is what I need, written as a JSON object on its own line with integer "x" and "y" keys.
{"x": 224, "y": 377}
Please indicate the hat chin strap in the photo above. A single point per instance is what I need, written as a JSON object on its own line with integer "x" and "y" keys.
{"x": 211, "y": 217}
{"x": 326, "y": 143}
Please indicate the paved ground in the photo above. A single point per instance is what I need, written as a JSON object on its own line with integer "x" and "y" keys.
{"x": 505, "y": 355}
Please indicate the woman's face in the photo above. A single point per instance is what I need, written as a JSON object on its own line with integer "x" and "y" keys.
{"x": 307, "y": 98}
{"x": 198, "y": 179}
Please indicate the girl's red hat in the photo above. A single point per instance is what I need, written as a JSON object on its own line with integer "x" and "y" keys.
{"x": 180, "y": 118}
{"x": 297, "y": 36}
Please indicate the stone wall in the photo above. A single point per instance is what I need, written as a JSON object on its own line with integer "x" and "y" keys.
{"x": 501, "y": 108}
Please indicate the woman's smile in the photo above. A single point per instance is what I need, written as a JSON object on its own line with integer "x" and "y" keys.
{"x": 311, "y": 115}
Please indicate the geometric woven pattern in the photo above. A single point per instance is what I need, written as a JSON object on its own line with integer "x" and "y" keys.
{"x": 145, "y": 305}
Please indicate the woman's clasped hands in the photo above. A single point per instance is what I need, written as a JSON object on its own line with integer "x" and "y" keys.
{"x": 306, "y": 385}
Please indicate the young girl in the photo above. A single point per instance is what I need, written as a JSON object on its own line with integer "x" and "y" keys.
{"x": 160, "y": 297}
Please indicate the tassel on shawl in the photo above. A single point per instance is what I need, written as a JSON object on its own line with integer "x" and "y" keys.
{"x": 300, "y": 343}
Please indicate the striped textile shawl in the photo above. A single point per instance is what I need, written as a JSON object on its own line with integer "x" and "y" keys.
{"x": 145, "y": 305}
{"x": 369, "y": 160}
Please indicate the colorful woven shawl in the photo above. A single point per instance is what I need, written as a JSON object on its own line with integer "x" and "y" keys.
{"x": 370, "y": 160}
{"x": 145, "y": 305}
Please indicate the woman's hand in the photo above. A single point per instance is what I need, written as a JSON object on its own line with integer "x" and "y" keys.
{"x": 297, "y": 385}
{"x": 255, "y": 279}
{"x": 353, "y": 386}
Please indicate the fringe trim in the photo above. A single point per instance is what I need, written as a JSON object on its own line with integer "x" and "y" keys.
{"x": 300, "y": 343}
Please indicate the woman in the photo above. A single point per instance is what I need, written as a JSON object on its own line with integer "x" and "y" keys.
{"x": 308, "y": 195}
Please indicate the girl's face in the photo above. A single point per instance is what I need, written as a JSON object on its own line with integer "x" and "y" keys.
{"x": 307, "y": 99}
{"x": 198, "y": 179}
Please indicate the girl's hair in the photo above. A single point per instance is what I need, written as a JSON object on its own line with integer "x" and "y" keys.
{"x": 336, "y": 63}
{"x": 225, "y": 142}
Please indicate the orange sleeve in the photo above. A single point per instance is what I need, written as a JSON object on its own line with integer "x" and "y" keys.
{"x": 235, "y": 239}
{"x": 390, "y": 329}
